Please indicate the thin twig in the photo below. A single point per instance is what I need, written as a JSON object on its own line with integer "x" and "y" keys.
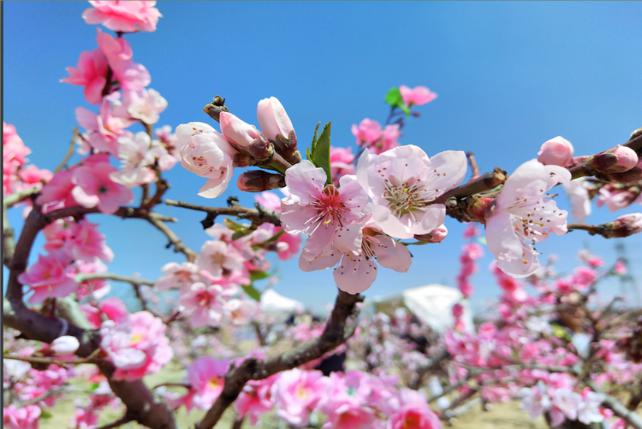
{"x": 115, "y": 277}
{"x": 254, "y": 215}
{"x": 70, "y": 151}
{"x": 174, "y": 240}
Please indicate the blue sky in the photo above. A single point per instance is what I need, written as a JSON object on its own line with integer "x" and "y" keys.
{"x": 509, "y": 76}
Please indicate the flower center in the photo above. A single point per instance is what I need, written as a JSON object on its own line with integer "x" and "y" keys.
{"x": 406, "y": 198}
{"x": 136, "y": 338}
{"x": 214, "y": 383}
{"x": 329, "y": 207}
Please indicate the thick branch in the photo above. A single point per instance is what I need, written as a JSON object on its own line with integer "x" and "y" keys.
{"x": 337, "y": 330}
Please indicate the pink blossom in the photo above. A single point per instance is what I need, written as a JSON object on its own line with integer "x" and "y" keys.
{"x": 414, "y": 413}
{"x": 206, "y": 377}
{"x": 273, "y": 119}
{"x": 57, "y": 193}
{"x": 331, "y": 217}
{"x": 131, "y": 76}
{"x": 26, "y": 417}
{"x": 85, "y": 419}
{"x": 178, "y": 276}
{"x": 523, "y": 215}
{"x": 105, "y": 128}
{"x": 269, "y": 201}
{"x": 32, "y": 175}
{"x": 579, "y": 198}
{"x": 620, "y": 268}
{"x": 367, "y": 132}
{"x": 256, "y": 399}
{"x": 202, "y": 303}
{"x": 297, "y": 393}
{"x": 287, "y": 245}
{"x": 136, "y": 159}
{"x": 237, "y": 132}
{"x": 95, "y": 187}
{"x": 51, "y": 276}
{"x": 137, "y": 346}
{"x": 110, "y": 309}
{"x": 14, "y": 156}
{"x": 97, "y": 288}
{"x": 357, "y": 270}
{"x": 217, "y": 258}
{"x": 90, "y": 73}
{"x": 81, "y": 238}
{"x": 556, "y": 151}
{"x": 145, "y": 105}
{"x": 346, "y": 402}
{"x": 123, "y": 15}
{"x": 206, "y": 153}
{"x": 403, "y": 183}
{"x": 341, "y": 159}
{"x": 417, "y": 96}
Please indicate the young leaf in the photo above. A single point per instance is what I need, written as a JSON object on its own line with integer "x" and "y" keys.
{"x": 252, "y": 292}
{"x": 320, "y": 152}
{"x": 394, "y": 98}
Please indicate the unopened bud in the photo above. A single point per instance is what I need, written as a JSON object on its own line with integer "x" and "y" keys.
{"x": 437, "y": 235}
{"x": 215, "y": 108}
{"x": 615, "y": 160}
{"x": 243, "y": 160}
{"x": 556, "y": 151}
{"x": 625, "y": 225}
{"x": 287, "y": 147}
{"x": 259, "y": 181}
{"x": 261, "y": 149}
{"x": 65, "y": 345}
{"x": 632, "y": 176}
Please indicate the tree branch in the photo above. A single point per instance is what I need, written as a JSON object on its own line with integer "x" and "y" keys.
{"x": 255, "y": 215}
{"x": 337, "y": 330}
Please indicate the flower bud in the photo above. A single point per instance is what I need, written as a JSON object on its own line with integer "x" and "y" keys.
{"x": 615, "y": 160}
{"x": 556, "y": 151}
{"x": 630, "y": 177}
{"x": 437, "y": 235}
{"x": 65, "y": 345}
{"x": 238, "y": 133}
{"x": 261, "y": 149}
{"x": 215, "y": 108}
{"x": 259, "y": 181}
{"x": 273, "y": 118}
{"x": 626, "y": 225}
{"x": 287, "y": 147}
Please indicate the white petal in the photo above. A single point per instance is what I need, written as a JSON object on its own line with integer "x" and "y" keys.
{"x": 355, "y": 274}
{"x": 391, "y": 254}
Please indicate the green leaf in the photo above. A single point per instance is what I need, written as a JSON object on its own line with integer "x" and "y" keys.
{"x": 393, "y": 97}
{"x": 258, "y": 275}
{"x": 45, "y": 414}
{"x": 395, "y": 100}
{"x": 319, "y": 152}
{"x": 252, "y": 292}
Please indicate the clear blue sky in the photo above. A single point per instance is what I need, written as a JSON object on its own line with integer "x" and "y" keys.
{"x": 509, "y": 76}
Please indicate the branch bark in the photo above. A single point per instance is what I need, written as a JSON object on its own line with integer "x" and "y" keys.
{"x": 255, "y": 215}
{"x": 337, "y": 330}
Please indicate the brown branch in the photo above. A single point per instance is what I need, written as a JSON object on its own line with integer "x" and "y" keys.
{"x": 70, "y": 151}
{"x": 174, "y": 240}
{"x": 114, "y": 277}
{"x": 337, "y": 330}
{"x": 483, "y": 183}
{"x": 255, "y": 215}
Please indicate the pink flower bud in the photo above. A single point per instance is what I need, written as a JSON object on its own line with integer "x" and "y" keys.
{"x": 273, "y": 118}
{"x": 627, "y": 224}
{"x": 615, "y": 160}
{"x": 238, "y": 133}
{"x": 65, "y": 345}
{"x": 437, "y": 235}
{"x": 259, "y": 181}
{"x": 556, "y": 151}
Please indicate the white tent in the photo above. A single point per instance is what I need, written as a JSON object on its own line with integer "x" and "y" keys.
{"x": 432, "y": 304}
{"x": 275, "y": 303}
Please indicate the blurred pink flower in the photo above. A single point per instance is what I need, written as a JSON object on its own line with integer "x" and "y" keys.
{"x": 51, "y": 276}
{"x": 206, "y": 377}
{"x": 123, "y": 15}
{"x": 94, "y": 186}
{"x": 297, "y": 393}
{"x": 137, "y": 346}
{"x": 90, "y": 73}
{"x": 26, "y": 417}
{"x": 417, "y": 96}
{"x": 341, "y": 159}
